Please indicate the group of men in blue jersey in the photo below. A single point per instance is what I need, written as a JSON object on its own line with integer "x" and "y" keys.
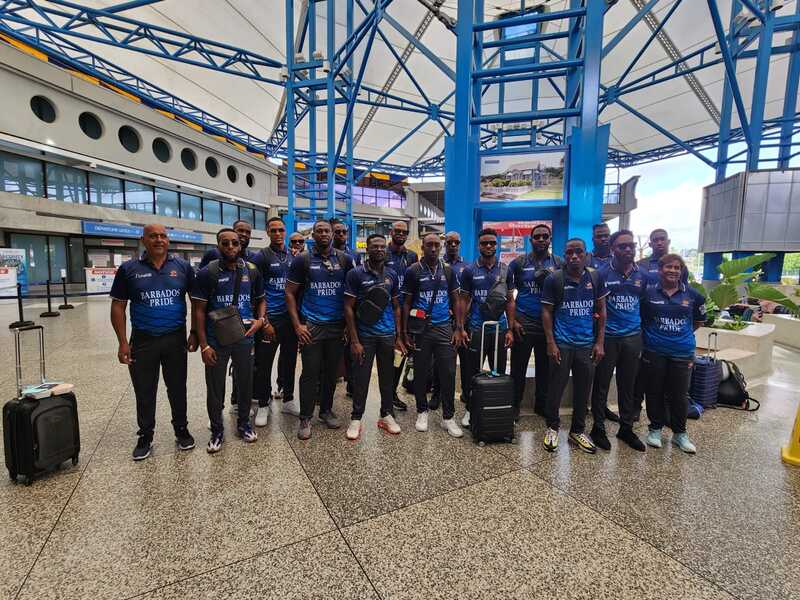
{"x": 584, "y": 317}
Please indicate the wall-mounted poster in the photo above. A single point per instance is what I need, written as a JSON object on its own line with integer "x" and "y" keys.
{"x": 512, "y": 236}
{"x": 530, "y": 177}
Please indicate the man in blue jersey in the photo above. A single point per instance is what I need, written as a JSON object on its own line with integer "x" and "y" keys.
{"x": 430, "y": 295}
{"x": 156, "y": 285}
{"x": 317, "y": 276}
{"x": 487, "y": 288}
{"x": 372, "y": 315}
{"x": 340, "y": 241}
{"x": 244, "y": 230}
{"x": 571, "y": 298}
{"x": 625, "y": 283}
{"x": 529, "y": 272}
{"x": 399, "y": 258}
{"x": 601, "y": 252}
{"x": 273, "y": 263}
{"x": 659, "y": 244}
{"x": 225, "y": 283}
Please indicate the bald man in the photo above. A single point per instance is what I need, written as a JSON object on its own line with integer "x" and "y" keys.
{"x": 156, "y": 285}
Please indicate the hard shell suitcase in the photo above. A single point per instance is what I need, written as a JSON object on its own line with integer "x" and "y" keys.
{"x": 706, "y": 376}
{"x": 38, "y": 435}
{"x": 491, "y": 413}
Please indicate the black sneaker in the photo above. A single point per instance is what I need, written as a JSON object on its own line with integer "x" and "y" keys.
{"x": 143, "y": 448}
{"x": 611, "y": 415}
{"x": 184, "y": 440}
{"x": 630, "y": 438}
{"x": 399, "y": 404}
{"x": 600, "y": 439}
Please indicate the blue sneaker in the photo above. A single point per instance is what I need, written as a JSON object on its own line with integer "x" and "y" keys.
{"x": 246, "y": 433}
{"x": 681, "y": 440}
{"x": 215, "y": 443}
{"x": 654, "y": 438}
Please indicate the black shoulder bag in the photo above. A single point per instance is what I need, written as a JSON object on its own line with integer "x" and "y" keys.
{"x": 226, "y": 322}
{"x": 417, "y": 324}
{"x": 374, "y": 303}
{"x": 493, "y": 307}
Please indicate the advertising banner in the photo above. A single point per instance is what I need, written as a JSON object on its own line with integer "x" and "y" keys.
{"x": 99, "y": 279}
{"x": 17, "y": 258}
{"x": 8, "y": 283}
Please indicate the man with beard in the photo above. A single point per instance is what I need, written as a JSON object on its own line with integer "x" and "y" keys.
{"x": 243, "y": 229}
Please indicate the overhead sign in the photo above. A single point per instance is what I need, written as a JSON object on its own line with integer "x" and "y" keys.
{"x": 134, "y": 231}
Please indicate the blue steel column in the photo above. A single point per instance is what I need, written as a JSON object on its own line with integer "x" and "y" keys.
{"x": 760, "y": 87}
{"x": 725, "y": 112}
{"x": 331, "y": 110}
{"x": 790, "y": 99}
{"x": 290, "y": 116}
{"x": 351, "y": 228}
{"x": 461, "y": 184}
{"x": 711, "y": 260}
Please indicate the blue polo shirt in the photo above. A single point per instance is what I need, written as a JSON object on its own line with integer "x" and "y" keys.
{"x": 358, "y": 281}
{"x": 649, "y": 267}
{"x": 574, "y": 316}
{"x": 157, "y": 296}
{"x": 352, "y": 254}
{"x": 323, "y": 295}
{"x": 400, "y": 261}
{"x": 529, "y": 293}
{"x": 420, "y": 283}
{"x": 222, "y": 296}
{"x": 458, "y": 265}
{"x": 597, "y": 262}
{"x": 274, "y": 271}
{"x": 215, "y": 254}
{"x": 624, "y": 299}
{"x": 477, "y": 280}
{"x": 668, "y": 321}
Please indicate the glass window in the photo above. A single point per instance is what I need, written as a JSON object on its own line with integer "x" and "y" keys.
{"x": 246, "y": 214}
{"x": 58, "y": 256}
{"x": 76, "y": 260}
{"x": 106, "y": 190}
{"x": 21, "y": 175}
{"x": 260, "y": 220}
{"x": 190, "y": 207}
{"x": 212, "y": 211}
{"x": 35, "y": 247}
{"x": 230, "y": 213}
{"x": 167, "y": 203}
{"x": 139, "y": 197}
{"x": 66, "y": 184}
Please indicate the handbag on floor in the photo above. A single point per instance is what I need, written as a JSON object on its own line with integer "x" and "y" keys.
{"x": 732, "y": 392}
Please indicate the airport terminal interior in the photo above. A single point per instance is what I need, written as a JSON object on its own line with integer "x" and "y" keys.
{"x": 653, "y": 144}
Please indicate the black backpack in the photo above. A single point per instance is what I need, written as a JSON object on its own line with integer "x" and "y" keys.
{"x": 732, "y": 392}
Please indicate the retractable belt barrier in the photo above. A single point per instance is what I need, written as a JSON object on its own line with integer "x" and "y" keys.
{"x": 21, "y": 322}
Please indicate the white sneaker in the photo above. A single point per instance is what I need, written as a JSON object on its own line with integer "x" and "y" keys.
{"x": 234, "y": 409}
{"x": 354, "y": 430}
{"x": 262, "y": 416}
{"x": 277, "y": 395}
{"x": 422, "y": 422}
{"x": 451, "y": 427}
{"x": 465, "y": 420}
{"x": 389, "y": 425}
{"x": 292, "y": 407}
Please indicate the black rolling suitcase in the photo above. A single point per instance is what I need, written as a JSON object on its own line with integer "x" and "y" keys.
{"x": 491, "y": 412}
{"x": 38, "y": 434}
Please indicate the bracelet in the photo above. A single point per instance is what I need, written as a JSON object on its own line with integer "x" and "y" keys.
{"x": 204, "y": 349}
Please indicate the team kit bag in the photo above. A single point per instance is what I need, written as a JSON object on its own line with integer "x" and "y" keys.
{"x": 706, "y": 376}
{"x": 40, "y": 426}
{"x": 491, "y": 414}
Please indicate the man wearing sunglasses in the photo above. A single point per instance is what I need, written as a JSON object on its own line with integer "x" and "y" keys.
{"x": 626, "y": 285}
{"x": 399, "y": 258}
{"x": 529, "y": 272}
{"x": 244, "y": 230}
{"x": 315, "y": 303}
{"x": 480, "y": 282}
{"x": 601, "y": 253}
{"x": 216, "y": 287}
{"x": 273, "y": 263}
{"x": 340, "y": 241}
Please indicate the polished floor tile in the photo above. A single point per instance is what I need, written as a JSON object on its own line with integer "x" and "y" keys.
{"x": 515, "y": 537}
{"x": 321, "y": 567}
{"x": 138, "y": 526}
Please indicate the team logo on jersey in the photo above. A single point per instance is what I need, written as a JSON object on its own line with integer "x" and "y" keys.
{"x": 245, "y": 278}
{"x": 388, "y": 281}
{"x": 173, "y": 273}
{"x": 588, "y": 285}
{"x": 685, "y": 302}
{"x": 638, "y": 283}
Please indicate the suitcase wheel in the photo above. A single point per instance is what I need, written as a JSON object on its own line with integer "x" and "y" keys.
{"x": 74, "y": 461}
{"x": 481, "y": 444}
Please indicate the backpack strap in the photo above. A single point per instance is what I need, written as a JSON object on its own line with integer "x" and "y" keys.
{"x": 595, "y": 277}
{"x": 268, "y": 254}
{"x": 560, "y": 281}
{"x": 213, "y": 273}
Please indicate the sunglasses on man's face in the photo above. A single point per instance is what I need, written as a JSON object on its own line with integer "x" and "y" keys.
{"x": 453, "y": 242}
{"x": 488, "y": 243}
{"x": 233, "y": 243}
{"x": 297, "y": 242}
{"x": 541, "y": 236}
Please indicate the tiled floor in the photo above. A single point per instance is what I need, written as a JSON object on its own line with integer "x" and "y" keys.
{"x": 412, "y": 516}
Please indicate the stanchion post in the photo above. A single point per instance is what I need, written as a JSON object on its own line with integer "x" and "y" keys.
{"x": 21, "y": 322}
{"x": 49, "y": 312}
{"x": 66, "y": 305}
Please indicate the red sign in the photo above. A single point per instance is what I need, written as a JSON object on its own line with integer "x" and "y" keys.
{"x": 515, "y": 228}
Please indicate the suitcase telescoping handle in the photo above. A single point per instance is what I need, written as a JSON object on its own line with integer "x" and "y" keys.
{"x": 18, "y": 352}
{"x": 712, "y": 350}
{"x": 496, "y": 325}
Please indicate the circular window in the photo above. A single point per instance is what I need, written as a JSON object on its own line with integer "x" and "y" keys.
{"x": 162, "y": 150}
{"x": 233, "y": 174}
{"x": 251, "y": 181}
{"x": 189, "y": 159}
{"x": 43, "y": 108}
{"x": 129, "y": 138}
{"x": 90, "y": 125}
{"x": 212, "y": 166}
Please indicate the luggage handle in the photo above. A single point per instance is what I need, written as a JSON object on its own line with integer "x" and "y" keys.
{"x": 712, "y": 352}
{"x": 18, "y": 354}
{"x": 496, "y": 325}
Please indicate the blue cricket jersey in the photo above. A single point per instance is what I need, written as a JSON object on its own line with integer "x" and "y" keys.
{"x": 400, "y": 261}
{"x": 458, "y": 265}
{"x": 649, "y": 267}
{"x": 323, "y": 292}
{"x": 529, "y": 292}
{"x": 668, "y": 321}
{"x": 215, "y": 254}
{"x": 574, "y": 317}
{"x": 477, "y": 280}
{"x": 358, "y": 281}
{"x": 420, "y": 282}
{"x": 623, "y": 303}
{"x": 273, "y": 271}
